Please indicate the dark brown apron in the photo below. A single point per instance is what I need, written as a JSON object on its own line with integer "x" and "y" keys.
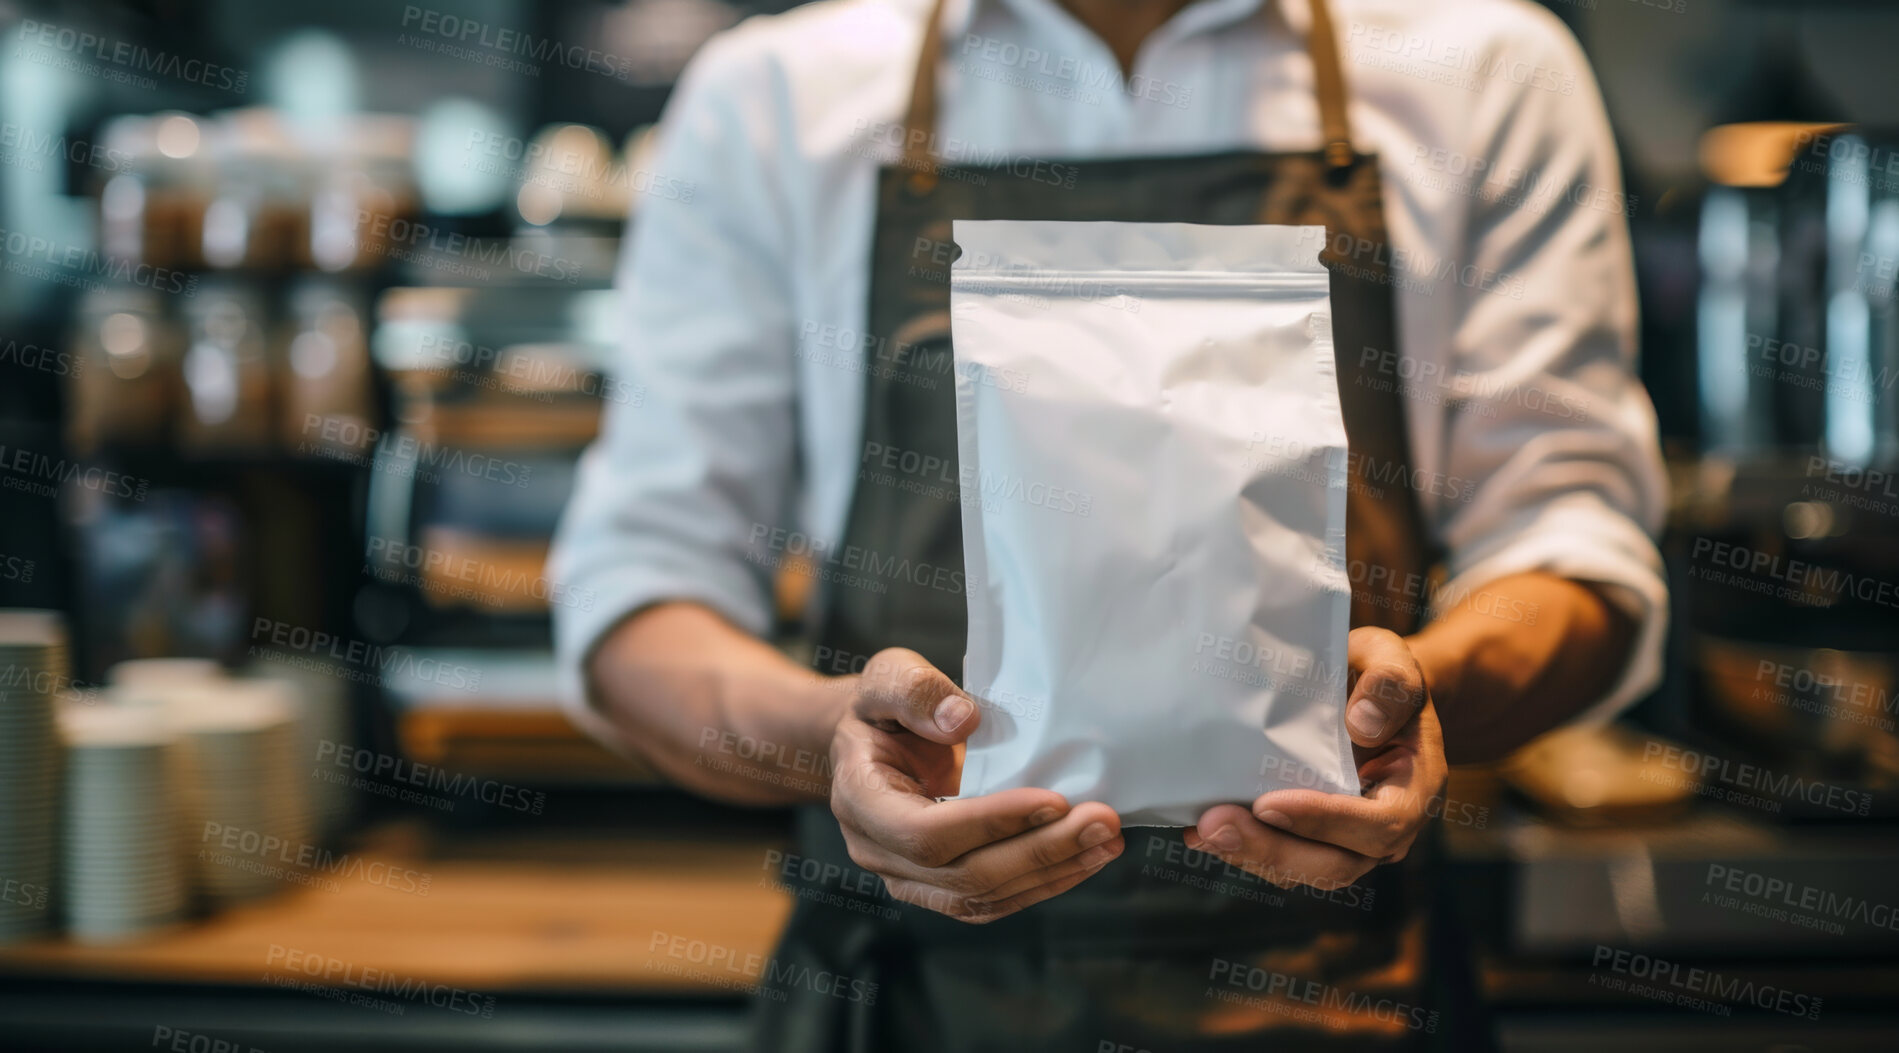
{"x": 1142, "y": 954}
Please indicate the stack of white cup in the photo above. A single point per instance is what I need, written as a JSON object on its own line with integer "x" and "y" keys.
{"x": 33, "y": 668}
{"x": 120, "y": 872}
{"x": 243, "y": 773}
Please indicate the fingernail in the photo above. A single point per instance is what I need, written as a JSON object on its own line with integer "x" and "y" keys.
{"x": 1366, "y": 719}
{"x": 1226, "y": 839}
{"x": 953, "y": 712}
{"x": 1272, "y": 818}
{"x": 1094, "y": 834}
{"x": 1099, "y": 857}
{"x": 1044, "y": 816}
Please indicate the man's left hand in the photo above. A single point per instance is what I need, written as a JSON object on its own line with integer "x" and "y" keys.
{"x": 1330, "y": 840}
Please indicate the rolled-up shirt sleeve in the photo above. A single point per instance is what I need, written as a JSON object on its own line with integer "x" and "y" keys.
{"x": 693, "y": 462}
{"x": 1552, "y": 427}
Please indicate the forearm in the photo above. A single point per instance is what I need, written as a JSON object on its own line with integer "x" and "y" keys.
{"x": 1518, "y": 657}
{"x": 715, "y": 709}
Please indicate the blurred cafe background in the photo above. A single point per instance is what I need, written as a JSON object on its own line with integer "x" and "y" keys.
{"x": 302, "y": 329}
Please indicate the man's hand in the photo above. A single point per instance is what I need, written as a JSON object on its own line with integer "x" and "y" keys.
{"x": 1329, "y": 840}
{"x": 896, "y": 751}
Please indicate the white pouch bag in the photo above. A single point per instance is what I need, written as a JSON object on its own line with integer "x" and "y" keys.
{"x": 1153, "y": 484}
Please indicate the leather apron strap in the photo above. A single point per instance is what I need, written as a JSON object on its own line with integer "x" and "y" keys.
{"x": 1328, "y": 77}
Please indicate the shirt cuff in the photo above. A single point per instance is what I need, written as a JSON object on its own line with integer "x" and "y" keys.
{"x": 1586, "y": 542}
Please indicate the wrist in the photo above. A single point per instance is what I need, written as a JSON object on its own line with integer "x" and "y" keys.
{"x": 1442, "y": 660}
{"x": 826, "y": 701}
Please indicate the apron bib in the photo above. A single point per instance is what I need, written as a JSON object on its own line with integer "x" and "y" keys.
{"x": 1126, "y": 957}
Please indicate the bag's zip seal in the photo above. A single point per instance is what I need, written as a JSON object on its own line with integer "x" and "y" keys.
{"x": 1303, "y": 281}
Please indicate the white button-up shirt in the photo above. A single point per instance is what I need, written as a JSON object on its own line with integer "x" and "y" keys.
{"x": 745, "y": 283}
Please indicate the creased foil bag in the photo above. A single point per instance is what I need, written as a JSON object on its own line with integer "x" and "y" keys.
{"x": 1153, "y": 481}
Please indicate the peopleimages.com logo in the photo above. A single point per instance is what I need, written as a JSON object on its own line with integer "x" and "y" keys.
{"x": 1746, "y": 783}
{"x": 36, "y": 473}
{"x": 674, "y": 954}
{"x": 503, "y": 41}
{"x": 83, "y": 267}
{"x": 1308, "y": 999}
{"x": 357, "y": 659}
{"x": 405, "y": 772}
{"x": 342, "y": 978}
{"x": 1692, "y": 987}
{"x": 178, "y": 1040}
{"x": 121, "y": 60}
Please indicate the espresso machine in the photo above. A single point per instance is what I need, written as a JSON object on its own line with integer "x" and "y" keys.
{"x": 1789, "y": 582}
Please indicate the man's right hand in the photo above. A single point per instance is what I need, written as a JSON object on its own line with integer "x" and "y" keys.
{"x": 976, "y": 860}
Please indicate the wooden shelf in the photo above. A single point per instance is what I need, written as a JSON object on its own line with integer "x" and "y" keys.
{"x": 528, "y": 744}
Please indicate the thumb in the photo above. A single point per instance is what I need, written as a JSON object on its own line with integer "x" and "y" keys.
{"x": 899, "y": 685}
{"x": 1387, "y": 685}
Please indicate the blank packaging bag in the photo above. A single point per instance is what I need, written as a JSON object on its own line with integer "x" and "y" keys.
{"x": 1153, "y": 485}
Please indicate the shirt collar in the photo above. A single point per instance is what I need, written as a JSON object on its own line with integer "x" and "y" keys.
{"x": 1197, "y": 17}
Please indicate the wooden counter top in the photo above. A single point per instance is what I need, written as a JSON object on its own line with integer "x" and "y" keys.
{"x": 547, "y": 912}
